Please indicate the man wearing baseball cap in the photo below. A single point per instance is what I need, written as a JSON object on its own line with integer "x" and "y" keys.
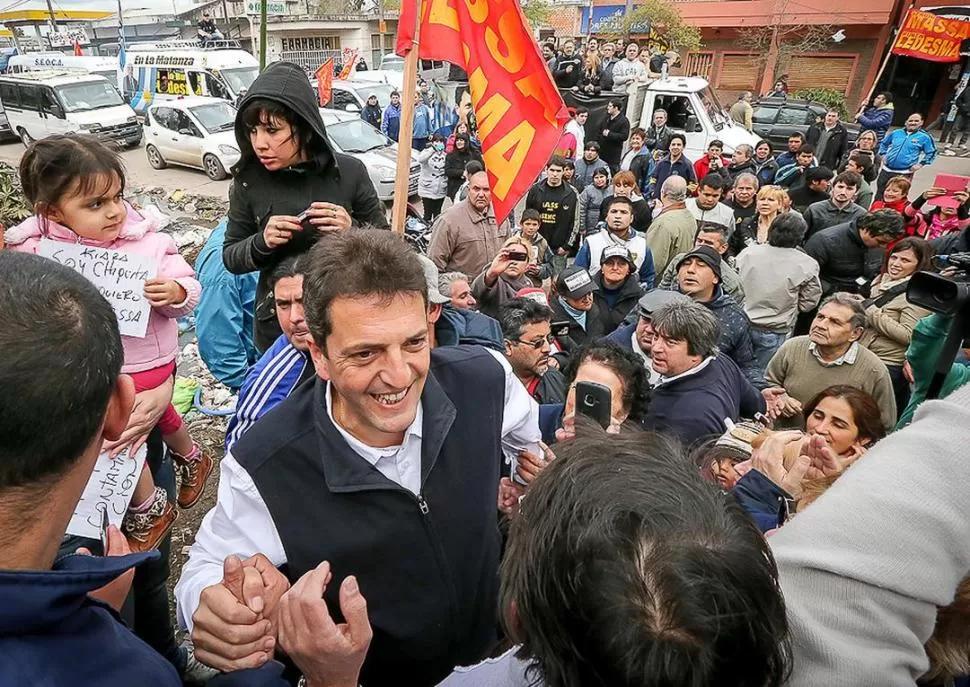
{"x": 638, "y": 335}
{"x": 372, "y": 111}
{"x": 617, "y": 286}
{"x": 574, "y": 304}
{"x": 699, "y": 276}
{"x": 589, "y": 163}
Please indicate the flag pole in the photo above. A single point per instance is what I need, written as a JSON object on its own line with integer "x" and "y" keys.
{"x": 402, "y": 177}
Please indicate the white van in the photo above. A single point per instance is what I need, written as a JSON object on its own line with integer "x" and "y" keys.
{"x": 181, "y": 68}
{"x": 41, "y": 104}
{"x": 44, "y": 61}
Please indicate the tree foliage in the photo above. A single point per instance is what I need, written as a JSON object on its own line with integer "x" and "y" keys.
{"x": 537, "y": 11}
{"x": 666, "y": 27}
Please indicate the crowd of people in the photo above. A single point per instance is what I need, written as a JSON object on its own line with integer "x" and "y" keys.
{"x": 550, "y": 451}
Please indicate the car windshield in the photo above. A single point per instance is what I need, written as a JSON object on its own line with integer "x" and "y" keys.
{"x": 215, "y": 117}
{"x": 111, "y": 76}
{"x": 356, "y": 136}
{"x": 89, "y": 95}
{"x": 239, "y": 79}
{"x": 713, "y": 106}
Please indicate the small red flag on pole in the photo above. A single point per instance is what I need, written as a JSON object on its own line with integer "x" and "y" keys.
{"x": 77, "y": 49}
{"x": 325, "y": 82}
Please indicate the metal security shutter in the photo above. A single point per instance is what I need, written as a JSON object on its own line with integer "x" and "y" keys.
{"x": 820, "y": 72}
{"x": 738, "y": 73}
{"x": 700, "y": 64}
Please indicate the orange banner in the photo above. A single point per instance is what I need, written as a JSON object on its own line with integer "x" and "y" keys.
{"x": 520, "y": 113}
{"x": 325, "y": 82}
{"x": 929, "y": 37}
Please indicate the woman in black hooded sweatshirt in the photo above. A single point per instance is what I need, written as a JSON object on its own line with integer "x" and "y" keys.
{"x": 288, "y": 168}
{"x": 455, "y": 162}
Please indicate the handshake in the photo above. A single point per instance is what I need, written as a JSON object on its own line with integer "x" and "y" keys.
{"x": 242, "y": 620}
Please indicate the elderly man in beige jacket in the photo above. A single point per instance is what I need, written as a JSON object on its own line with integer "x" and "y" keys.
{"x": 672, "y": 231}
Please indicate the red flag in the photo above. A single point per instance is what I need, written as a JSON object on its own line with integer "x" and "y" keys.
{"x": 325, "y": 82}
{"x": 520, "y": 113}
{"x": 77, "y": 49}
{"x": 928, "y": 37}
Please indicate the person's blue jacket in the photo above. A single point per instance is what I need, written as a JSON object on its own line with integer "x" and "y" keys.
{"x": 391, "y": 122}
{"x": 423, "y": 126}
{"x": 762, "y": 499}
{"x": 665, "y": 168}
{"x": 789, "y": 174}
{"x": 224, "y": 315}
{"x": 550, "y": 419}
{"x": 53, "y": 633}
{"x": 270, "y": 382}
{"x": 877, "y": 119}
{"x": 901, "y": 150}
{"x": 783, "y": 160}
{"x": 623, "y": 336}
{"x": 458, "y": 326}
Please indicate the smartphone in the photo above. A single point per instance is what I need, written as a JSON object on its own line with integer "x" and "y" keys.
{"x": 560, "y": 328}
{"x": 520, "y": 256}
{"x": 303, "y": 215}
{"x": 104, "y": 532}
{"x": 593, "y": 400}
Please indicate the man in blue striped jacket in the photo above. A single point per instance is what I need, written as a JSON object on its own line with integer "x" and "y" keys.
{"x": 286, "y": 363}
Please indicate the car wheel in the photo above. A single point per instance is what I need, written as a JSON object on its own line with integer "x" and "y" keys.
{"x": 155, "y": 158}
{"x": 213, "y": 168}
{"x": 26, "y": 138}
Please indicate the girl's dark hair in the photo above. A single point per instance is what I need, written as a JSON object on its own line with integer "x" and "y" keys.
{"x": 921, "y": 249}
{"x": 766, "y": 143}
{"x": 262, "y": 110}
{"x": 625, "y": 364}
{"x": 54, "y": 166}
{"x": 865, "y": 410}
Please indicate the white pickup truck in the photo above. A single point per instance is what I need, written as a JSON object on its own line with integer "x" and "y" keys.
{"x": 693, "y": 108}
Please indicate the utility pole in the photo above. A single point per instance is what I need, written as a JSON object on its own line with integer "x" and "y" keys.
{"x": 262, "y": 34}
{"x": 626, "y": 15}
{"x": 50, "y": 10}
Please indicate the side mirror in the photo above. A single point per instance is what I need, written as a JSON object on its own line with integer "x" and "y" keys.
{"x": 352, "y": 108}
{"x": 186, "y": 132}
{"x": 693, "y": 125}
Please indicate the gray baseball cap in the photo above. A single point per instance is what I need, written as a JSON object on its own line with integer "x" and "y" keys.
{"x": 431, "y": 276}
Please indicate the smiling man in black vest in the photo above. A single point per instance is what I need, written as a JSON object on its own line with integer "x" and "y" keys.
{"x": 386, "y": 465}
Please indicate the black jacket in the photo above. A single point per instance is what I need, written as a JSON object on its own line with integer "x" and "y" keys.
{"x": 558, "y": 209}
{"x": 658, "y": 139}
{"x": 611, "y": 146}
{"x": 836, "y": 147}
{"x": 372, "y": 115}
{"x": 427, "y": 563}
{"x": 952, "y": 243}
{"x": 607, "y": 70}
{"x": 843, "y": 258}
{"x": 455, "y": 162}
{"x": 566, "y": 80}
{"x": 258, "y": 194}
{"x": 595, "y": 80}
{"x": 630, "y": 293}
{"x": 577, "y": 335}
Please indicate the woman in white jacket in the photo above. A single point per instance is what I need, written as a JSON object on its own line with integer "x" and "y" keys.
{"x": 433, "y": 182}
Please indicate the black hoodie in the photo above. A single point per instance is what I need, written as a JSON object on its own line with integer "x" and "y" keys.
{"x": 258, "y": 194}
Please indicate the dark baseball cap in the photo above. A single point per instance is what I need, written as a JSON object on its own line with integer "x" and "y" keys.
{"x": 708, "y": 256}
{"x": 617, "y": 251}
{"x": 574, "y": 282}
{"x": 651, "y": 302}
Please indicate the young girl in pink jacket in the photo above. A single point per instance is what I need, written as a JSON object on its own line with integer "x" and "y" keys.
{"x": 75, "y": 185}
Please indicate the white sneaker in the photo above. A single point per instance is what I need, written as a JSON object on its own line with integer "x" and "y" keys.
{"x": 947, "y": 151}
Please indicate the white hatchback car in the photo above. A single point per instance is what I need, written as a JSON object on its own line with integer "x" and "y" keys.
{"x": 193, "y": 131}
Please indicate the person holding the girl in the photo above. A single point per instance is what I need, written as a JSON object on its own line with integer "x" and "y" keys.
{"x": 75, "y": 186}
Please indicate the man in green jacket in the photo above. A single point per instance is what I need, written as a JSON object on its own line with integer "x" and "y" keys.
{"x": 925, "y": 347}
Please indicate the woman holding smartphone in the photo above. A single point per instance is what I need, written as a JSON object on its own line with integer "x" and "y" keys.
{"x": 504, "y": 277}
{"x": 290, "y": 187}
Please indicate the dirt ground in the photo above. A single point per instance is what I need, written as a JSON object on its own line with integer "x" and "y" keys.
{"x": 210, "y": 433}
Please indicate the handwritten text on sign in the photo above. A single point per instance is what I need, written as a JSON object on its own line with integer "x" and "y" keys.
{"x": 120, "y": 277}
{"x": 109, "y": 490}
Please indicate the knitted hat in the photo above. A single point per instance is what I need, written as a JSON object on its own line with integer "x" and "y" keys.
{"x": 736, "y": 442}
{"x": 708, "y": 256}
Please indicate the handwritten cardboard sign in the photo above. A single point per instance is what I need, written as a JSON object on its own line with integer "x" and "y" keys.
{"x": 109, "y": 490}
{"x": 120, "y": 277}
